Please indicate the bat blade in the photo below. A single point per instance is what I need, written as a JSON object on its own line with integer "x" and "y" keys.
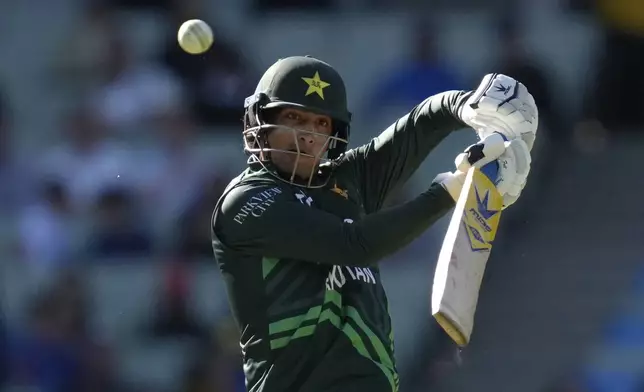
{"x": 464, "y": 255}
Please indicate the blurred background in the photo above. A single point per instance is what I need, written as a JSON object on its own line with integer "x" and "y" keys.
{"x": 115, "y": 146}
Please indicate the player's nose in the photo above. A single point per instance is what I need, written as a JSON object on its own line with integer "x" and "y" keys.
{"x": 306, "y": 137}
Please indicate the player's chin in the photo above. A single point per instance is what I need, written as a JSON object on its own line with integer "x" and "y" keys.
{"x": 305, "y": 171}
{"x": 304, "y": 166}
{"x": 289, "y": 163}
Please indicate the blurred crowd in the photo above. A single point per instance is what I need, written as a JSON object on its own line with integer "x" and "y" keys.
{"x": 126, "y": 178}
{"x": 122, "y": 181}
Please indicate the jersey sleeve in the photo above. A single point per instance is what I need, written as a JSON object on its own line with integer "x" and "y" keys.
{"x": 391, "y": 158}
{"x": 270, "y": 222}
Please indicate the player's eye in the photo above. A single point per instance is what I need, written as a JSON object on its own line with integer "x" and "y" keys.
{"x": 292, "y": 116}
{"x": 324, "y": 123}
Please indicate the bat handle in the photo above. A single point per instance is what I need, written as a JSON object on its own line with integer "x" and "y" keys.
{"x": 475, "y": 154}
{"x": 491, "y": 170}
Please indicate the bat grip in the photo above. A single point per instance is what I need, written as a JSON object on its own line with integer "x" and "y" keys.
{"x": 475, "y": 154}
{"x": 491, "y": 170}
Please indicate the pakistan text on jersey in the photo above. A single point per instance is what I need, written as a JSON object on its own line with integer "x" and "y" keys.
{"x": 257, "y": 204}
{"x": 337, "y": 278}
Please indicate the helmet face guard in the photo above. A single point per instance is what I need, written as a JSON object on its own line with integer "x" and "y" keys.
{"x": 307, "y": 84}
{"x": 256, "y": 144}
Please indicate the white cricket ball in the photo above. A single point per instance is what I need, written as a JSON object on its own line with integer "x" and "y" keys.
{"x": 195, "y": 36}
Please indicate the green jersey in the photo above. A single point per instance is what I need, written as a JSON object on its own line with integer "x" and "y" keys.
{"x": 300, "y": 264}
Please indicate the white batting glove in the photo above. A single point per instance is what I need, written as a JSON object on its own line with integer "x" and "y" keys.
{"x": 502, "y": 104}
{"x": 481, "y": 153}
{"x": 513, "y": 167}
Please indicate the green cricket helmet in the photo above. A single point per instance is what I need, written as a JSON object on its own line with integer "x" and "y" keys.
{"x": 304, "y": 83}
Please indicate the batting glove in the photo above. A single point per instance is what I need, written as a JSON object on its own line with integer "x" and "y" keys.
{"x": 506, "y": 164}
{"x": 502, "y": 104}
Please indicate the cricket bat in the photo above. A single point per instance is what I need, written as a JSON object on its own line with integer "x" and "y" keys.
{"x": 464, "y": 254}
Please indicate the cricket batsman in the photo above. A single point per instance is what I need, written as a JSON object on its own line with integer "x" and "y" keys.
{"x": 299, "y": 233}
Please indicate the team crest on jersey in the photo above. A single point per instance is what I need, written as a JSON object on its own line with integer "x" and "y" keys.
{"x": 342, "y": 192}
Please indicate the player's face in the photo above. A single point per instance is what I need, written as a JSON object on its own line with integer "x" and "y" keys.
{"x": 308, "y": 134}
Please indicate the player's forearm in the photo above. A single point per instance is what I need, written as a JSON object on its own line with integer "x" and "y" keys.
{"x": 365, "y": 241}
{"x": 424, "y": 127}
{"x": 437, "y": 116}
{"x": 391, "y": 159}
{"x": 385, "y": 232}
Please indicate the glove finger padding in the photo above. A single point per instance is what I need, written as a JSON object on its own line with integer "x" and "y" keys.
{"x": 514, "y": 167}
{"x": 529, "y": 105}
{"x": 487, "y": 123}
{"x": 511, "y": 115}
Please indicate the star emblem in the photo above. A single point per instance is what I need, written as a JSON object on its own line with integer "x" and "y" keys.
{"x": 316, "y": 85}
